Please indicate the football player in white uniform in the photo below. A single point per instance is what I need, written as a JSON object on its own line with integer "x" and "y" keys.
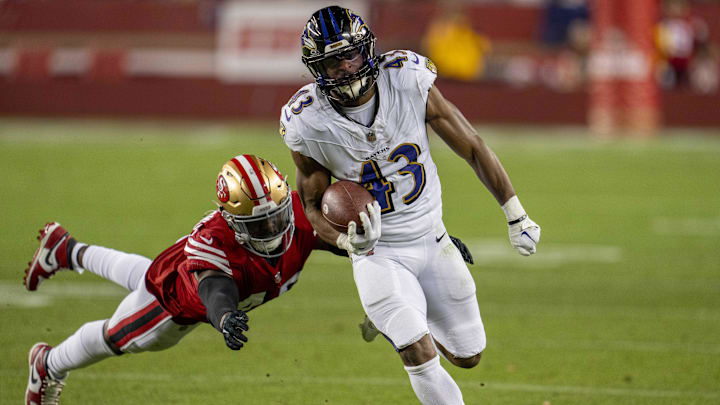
{"x": 365, "y": 119}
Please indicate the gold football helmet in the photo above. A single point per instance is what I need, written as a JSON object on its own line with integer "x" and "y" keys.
{"x": 255, "y": 200}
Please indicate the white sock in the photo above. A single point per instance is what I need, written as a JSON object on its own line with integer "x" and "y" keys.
{"x": 433, "y": 385}
{"x": 74, "y": 257}
{"x": 124, "y": 269}
{"x": 84, "y": 347}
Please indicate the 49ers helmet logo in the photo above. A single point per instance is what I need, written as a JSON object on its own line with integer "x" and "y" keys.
{"x": 223, "y": 193}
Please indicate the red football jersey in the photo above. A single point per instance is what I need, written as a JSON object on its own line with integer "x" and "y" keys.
{"x": 212, "y": 246}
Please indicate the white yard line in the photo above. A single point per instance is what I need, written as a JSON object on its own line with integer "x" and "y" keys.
{"x": 13, "y": 294}
{"x": 494, "y": 251}
{"x": 686, "y": 226}
{"x": 390, "y": 381}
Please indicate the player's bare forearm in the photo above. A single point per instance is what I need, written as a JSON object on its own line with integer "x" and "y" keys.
{"x": 312, "y": 179}
{"x": 491, "y": 172}
{"x": 452, "y": 126}
{"x": 322, "y": 245}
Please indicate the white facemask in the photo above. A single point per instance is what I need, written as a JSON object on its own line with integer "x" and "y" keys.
{"x": 268, "y": 246}
{"x": 352, "y": 90}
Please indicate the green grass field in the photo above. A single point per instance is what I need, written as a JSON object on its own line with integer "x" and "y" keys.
{"x": 621, "y": 305}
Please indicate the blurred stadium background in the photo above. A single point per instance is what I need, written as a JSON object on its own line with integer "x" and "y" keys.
{"x": 116, "y": 114}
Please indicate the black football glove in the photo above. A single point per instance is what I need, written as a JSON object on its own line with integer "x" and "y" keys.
{"x": 233, "y": 326}
{"x": 464, "y": 251}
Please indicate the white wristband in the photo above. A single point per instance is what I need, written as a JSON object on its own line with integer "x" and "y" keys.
{"x": 513, "y": 209}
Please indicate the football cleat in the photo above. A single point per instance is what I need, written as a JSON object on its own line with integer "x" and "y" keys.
{"x": 42, "y": 388}
{"x": 51, "y": 256}
{"x": 368, "y": 330}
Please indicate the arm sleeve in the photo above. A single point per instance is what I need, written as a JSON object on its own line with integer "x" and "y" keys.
{"x": 220, "y": 295}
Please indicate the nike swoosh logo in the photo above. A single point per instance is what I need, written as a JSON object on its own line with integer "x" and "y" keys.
{"x": 529, "y": 237}
{"x": 50, "y": 258}
{"x": 417, "y": 60}
{"x": 208, "y": 241}
{"x": 287, "y": 117}
{"x": 33, "y": 380}
{"x": 441, "y": 236}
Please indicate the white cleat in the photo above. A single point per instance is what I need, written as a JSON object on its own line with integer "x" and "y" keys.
{"x": 42, "y": 388}
{"x": 50, "y": 256}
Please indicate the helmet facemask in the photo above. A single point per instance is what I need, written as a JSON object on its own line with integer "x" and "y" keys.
{"x": 323, "y": 50}
{"x": 256, "y": 202}
{"x": 270, "y": 227}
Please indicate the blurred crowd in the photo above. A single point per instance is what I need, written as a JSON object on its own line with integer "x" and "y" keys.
{"x": 685, "y": 56}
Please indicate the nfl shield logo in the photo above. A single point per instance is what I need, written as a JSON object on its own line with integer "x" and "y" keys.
{"x": 278, "y": 278}
{"x": 371, "y": 136}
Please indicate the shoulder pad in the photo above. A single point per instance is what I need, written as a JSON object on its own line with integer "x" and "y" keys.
{"x": 408, "y": 69}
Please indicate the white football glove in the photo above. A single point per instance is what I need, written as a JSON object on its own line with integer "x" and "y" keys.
{"x": 524, "y": 235}
{"x": 362, "y": 244}
{"x": 524, "y": 232}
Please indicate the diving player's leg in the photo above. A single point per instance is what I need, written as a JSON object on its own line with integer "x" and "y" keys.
{"x": 394, "y": 302}
{"x": 58, "y": 251}
{"x": 125, "y": 269}
{"x": 139, "y": 324}
{"x": 452, "y": 308}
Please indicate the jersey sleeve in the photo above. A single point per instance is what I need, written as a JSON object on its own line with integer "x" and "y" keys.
{"x": 426, "y": 73}
{"x": 411, "y": 71}
{"x": 204, "y": 251}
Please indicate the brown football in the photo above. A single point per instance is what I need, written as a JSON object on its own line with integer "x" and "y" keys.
{"x": 343, "y": 201}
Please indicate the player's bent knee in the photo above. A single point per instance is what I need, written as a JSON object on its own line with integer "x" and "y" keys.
{"x": 418, "y": 353}
{"x": 115, "y": 349}
{"x": 467, "y": 362}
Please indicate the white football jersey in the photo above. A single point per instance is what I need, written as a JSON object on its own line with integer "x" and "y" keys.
{"x": 391, "y": 158}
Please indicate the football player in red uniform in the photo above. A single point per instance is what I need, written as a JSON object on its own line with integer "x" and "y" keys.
{"x": 247, "y": 252}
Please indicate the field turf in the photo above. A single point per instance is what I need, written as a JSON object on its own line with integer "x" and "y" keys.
{"x": 621, "y": 305}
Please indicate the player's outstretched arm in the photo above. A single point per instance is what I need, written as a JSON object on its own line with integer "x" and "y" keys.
{"x": 452, "y": 126}
{"x": 455, "y": 130}
{"x": 220, "y": 296}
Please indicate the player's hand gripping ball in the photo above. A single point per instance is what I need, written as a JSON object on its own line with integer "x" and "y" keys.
{"x": 343, "y": 202}
{"x": 346, "y": 204}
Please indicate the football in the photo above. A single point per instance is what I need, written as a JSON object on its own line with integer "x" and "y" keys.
{"x": 342, "y": 202}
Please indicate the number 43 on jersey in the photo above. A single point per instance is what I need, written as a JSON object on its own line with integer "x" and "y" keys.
{"x": 382, "y": 189}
